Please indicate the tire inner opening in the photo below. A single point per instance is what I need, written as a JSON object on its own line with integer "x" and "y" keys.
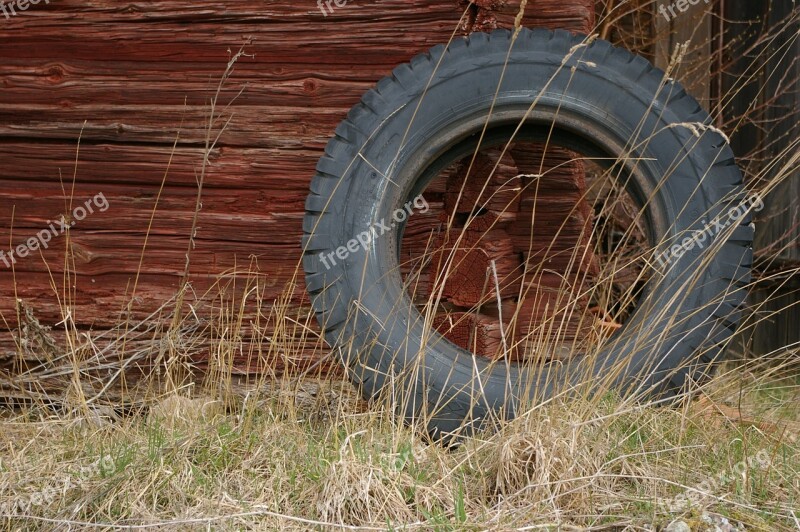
{"x": 531, "y": 249}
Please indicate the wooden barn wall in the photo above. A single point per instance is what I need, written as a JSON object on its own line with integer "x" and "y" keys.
{"x": 132, "y": 79}
{"x": 771, "y": 95}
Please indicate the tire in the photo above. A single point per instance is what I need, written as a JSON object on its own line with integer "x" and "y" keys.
{"x": 598, "y": 99}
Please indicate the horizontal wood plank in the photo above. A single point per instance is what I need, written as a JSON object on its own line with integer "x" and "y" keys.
{"x": 128, "y": 79}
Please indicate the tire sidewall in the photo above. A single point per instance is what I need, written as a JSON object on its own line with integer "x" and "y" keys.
{"x": 411, "y": 133}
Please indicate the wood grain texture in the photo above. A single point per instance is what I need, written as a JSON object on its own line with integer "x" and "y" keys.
{"x": 130, "y": 79}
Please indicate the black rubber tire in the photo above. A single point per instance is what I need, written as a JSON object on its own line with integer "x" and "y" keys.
{"x": 601, "y": 99}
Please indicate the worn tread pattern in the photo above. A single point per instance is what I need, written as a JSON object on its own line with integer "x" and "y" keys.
{"x": 371, "y": 356}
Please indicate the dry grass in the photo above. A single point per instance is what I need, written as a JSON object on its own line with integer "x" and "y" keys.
{"x": 184, "y": 463}
{"x": 86, "y": 447}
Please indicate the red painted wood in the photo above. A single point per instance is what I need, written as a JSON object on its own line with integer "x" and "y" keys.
{"x": 130, "y": 77}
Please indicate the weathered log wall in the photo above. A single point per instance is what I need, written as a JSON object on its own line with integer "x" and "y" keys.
{"x": 132, "y": 79}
